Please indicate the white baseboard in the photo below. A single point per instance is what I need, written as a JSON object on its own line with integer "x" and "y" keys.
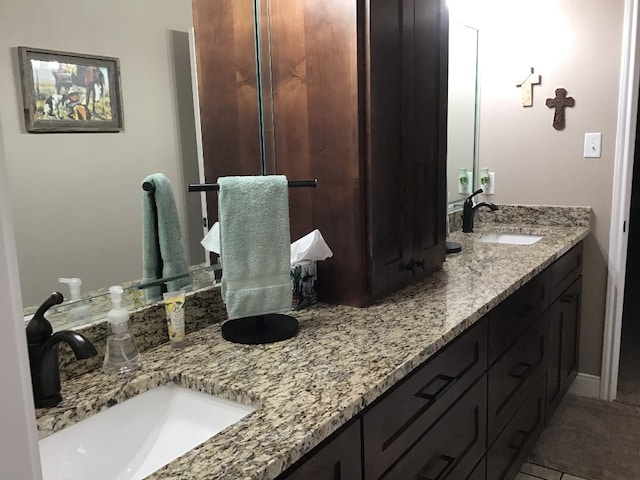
{"x": 586, "y": 385}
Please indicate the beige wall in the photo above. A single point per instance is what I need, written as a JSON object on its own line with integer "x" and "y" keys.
{"x": 76, "y": 198}
{"x": 574, "y": 44}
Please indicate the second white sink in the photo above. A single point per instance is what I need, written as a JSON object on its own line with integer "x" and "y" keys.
{"x": 511, "y": 238}
{"x": 135, "y": 438}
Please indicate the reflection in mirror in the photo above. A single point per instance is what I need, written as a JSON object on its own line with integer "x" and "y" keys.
{"x": 77, "y": 198}
{"x": 462, "y": 113}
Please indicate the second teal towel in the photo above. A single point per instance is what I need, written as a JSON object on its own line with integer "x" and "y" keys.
{"x": 255, "y": 244}
{"x": 162, "y": 252}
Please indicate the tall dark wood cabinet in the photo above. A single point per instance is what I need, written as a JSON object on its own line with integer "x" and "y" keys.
{"x": 358, "y": 99}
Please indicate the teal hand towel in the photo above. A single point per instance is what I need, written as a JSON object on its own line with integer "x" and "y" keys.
{"x": 162, "y": 252}
{"x": 255, "y": 245}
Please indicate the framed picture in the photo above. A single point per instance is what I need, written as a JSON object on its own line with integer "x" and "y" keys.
{"x": 70, "y": 92}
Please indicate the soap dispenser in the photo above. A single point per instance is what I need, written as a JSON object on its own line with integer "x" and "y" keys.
{"x": 122, "y": 356}
{"x": 80, "y": 311}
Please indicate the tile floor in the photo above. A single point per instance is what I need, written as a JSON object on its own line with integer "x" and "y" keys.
{"x": 530, "y": 471}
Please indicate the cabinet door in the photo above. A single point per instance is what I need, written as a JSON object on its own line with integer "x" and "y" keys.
{"x": 389, "y": 159}
{"x": 427, "y": 173}
{"x": 407, "y": 160}
{"x": 339, "y": 459}
{"x": 564, "y": 331}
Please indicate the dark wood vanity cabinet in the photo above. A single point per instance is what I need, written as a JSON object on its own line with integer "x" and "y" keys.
{"x": 564, "y": 325}
{"x": 357, "y": 97}
{"x": 474, "y": 410}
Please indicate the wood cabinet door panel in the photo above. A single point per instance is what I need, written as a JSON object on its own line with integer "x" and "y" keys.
{"x": 429, "y": 133}
{"x": 564, "y": 332}
{"x": 387, "y": 197}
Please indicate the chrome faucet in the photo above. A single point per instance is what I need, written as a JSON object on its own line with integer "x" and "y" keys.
{"x": 469, "y": 211}
{"x": 43, "y": 353}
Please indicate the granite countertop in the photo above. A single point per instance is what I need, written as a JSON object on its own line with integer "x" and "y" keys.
{"x": 343, "y": 358}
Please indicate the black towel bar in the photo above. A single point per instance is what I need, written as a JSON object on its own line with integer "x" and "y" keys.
{"x": 214, "y": 187}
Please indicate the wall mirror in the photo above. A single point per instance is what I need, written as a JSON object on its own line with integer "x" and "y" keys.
{"x": 462, "y": 132}
{"x": 76, "y": 198}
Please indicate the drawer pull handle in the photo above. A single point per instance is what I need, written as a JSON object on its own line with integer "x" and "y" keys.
{"x": 566, "y": 298}
{"x": 518, "y": 445}
{"x": 448, "y": 463}
{"x": 441, "y": 382}
{"x": 522, "y": 370}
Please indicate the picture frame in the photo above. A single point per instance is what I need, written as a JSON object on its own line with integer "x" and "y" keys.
{"x": 65, "y": 92}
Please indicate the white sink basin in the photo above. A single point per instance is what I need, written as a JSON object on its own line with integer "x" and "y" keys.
{"x": 135, "y": 438}
{"x": 511, "y": 238}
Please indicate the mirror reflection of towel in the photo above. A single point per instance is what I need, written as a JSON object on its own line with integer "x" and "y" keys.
{"x": 162, "y": 251}
{"x": 255, "y": 245}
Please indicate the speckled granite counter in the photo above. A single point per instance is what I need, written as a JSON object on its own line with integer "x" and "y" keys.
{"x": 344, "y": 358}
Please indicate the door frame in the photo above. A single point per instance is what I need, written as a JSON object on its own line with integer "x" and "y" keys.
{"x": 621, "y": 199}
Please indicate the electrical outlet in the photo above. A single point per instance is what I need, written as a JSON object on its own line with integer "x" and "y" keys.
{"x": 592, "y": 145}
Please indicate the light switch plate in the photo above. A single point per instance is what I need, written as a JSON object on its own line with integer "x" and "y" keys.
{"x": 592, "y": 145}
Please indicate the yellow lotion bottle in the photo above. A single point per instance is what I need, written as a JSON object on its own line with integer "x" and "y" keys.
{"x": 174, "y": 306}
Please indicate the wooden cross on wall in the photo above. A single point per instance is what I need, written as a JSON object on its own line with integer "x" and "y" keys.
{"x": 559, "y": 103}
{"x": 527, "y": 84}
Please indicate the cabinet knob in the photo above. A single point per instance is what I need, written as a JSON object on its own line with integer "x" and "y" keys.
{"x": 411, "y": 266}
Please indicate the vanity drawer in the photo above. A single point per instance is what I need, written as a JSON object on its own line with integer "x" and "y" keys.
{"x": 516, "y": 314}
{"x": 337, "y": 458}
{"x": 511, "y": 448}
{"x": 564, "y": 271}
{"x": 393, "y": 424}
{"x": 480, "y": 472}
{"x": 514, "y": 375}
{"x": 453, "y": 446}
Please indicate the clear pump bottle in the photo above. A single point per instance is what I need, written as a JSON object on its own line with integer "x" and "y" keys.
{"x": 80, "y": 311}
{"x": 122, "y": 356}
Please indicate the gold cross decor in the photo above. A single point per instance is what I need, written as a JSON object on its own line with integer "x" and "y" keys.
{"x": 527, "y": 84}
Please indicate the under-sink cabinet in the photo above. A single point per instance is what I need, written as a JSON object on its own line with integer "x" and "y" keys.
{"x": 475, "y": 409}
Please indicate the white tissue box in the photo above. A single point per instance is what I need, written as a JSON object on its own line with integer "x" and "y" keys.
{"x": 303, "y": 284}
